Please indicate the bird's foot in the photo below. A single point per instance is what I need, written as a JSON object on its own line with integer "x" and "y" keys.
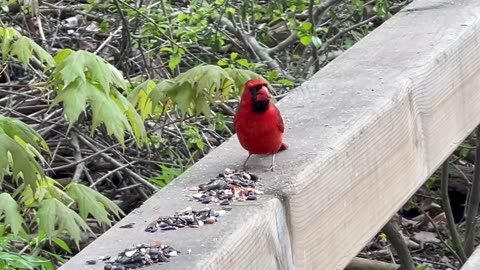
{"x": 271, "y": 168}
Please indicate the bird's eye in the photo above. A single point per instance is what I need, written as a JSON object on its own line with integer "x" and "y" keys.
{"x": 254, "y": 89}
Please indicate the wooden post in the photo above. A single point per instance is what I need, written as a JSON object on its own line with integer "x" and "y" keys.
{"x": 364, "y": 134}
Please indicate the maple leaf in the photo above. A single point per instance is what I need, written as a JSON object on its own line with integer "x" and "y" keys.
{"x": 91, "y": 202}
{"x": 11, "y": 213}
{"x": 83, "y": 80}
{"x": 20, "y": 145}
{"x": 23, "y": 48}
{"x": 55, "y": 217}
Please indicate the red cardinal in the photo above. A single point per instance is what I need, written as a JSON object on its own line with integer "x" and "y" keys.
{"x": 258, "y": 122}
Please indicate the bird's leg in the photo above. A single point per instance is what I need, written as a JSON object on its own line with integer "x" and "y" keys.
{"x": 272, "y": 167}
{"x": 245, "y": 163}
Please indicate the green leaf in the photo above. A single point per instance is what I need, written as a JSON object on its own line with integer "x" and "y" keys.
{"x": 381, "y": 9}
{"x": 161, "y": 90}
{"x": 20, "y": 145}
{"x": 10, "y": 260}
{"x": 11, "y": 212}
{"x": 182, "y": 16}
{"x": 198, "y": 82}
{"x": 91, "y": 202}
{"x": 70, "y": 69}
{"x": 139, "y": 98}
{"x": 134, "y": 119}
{"x": 62, "y": 244}
{"x": 7, "y": 35}
{"x": 168, "y": 174}
{"x": 286, "y": 82}
{"x": 244, "y": 62}
{"x": 202, "y": 106}
{"x": 306, "y": 40}
{"x": 106, "y": 111}
{"x": 86, "y": 66}
{"x": 60, "y": 57}
{"x": 175, "y": 59}
{"x": 55, "y": 217}
{"x": 82, "y": 78}
{"x": 272, "y": 74}
{"x": 233, "y": 55}
{"x": 166, "y": 49}
{"x": 47, "y": 188}
{"x": 306, "y": 26}
{"x": 359, "y": 5}
{"x": 184, "y": 97}
{"x": 222, "y": 63}
{"x": 241, "y": 76}
{"x": 317, "y": 42}
{"x": 22, "y": 132}
{"x": 21, "y": 50}
{"x": 74, "y": 99}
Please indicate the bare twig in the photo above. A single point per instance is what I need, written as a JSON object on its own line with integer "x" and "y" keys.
{"x": 253, "y": 43}
{"x": 118, "y": 164}
{"x": 108, "y": 39}
{"x": 78, "y": 156}
{"x": 449, "y": 214}
{"x": 125, "y": 44}
{"x": 366, "y": 264}
{"x": 452, "y": 250}
{"x": 319, "y": 9}
{"x": 396, "y": 239}
{"x": 346, "y": 30}
{"x": 433, "y": 262}
{"x": 313, "y": 33}
{"x": 99, "y": 180}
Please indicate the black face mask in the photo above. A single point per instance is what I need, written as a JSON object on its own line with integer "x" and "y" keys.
{"x": 258, "y": 106}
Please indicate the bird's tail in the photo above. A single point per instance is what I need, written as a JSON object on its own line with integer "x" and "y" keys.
{"x": 283, "y": 147}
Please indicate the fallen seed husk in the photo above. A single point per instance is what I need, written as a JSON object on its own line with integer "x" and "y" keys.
{"x": 185, "y": 218}
{"x": 140, "y": 255}
{"x": 231, "y": 185}
{"x": 91, "y": 262}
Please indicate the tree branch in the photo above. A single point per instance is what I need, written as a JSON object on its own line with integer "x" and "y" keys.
{"x": 118, "y": 164}
{"x": 319, "y": 9}
{"x": 449, "y": 214}
{"x": 396, "y": 239}
{"x": 366, "y": 264}
{"x": 78, "y": 156}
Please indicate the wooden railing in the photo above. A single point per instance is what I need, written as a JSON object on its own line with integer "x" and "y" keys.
{"x": 364, "y": 133}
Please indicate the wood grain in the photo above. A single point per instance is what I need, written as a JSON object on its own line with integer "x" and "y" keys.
{"x": 364, "y": 134}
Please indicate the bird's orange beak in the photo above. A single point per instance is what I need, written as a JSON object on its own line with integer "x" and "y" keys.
{"x": 263, "y": 94}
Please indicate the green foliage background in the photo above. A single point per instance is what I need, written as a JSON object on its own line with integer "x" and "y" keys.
{"x": 180, "y": 65}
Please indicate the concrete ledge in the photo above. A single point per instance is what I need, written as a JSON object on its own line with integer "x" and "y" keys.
{"x": 473, "y": 262}
{"x": 364, "y": 133}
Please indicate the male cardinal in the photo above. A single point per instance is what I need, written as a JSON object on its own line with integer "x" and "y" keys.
{"x": 258, "y": 122}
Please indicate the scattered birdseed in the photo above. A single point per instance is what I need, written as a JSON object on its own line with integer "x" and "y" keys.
{"x": 231, "y": 185}
{"x": 186, "y": 218}
{"x": 139, "y": 256}
{"x": 128, "y": 226}
{"x": 91, "y": 262}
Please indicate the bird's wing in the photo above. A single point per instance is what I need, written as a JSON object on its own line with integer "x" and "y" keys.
{"x": 280, "y": 124}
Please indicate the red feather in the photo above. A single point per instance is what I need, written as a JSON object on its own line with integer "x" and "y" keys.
{"x": 259, "y": 132}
